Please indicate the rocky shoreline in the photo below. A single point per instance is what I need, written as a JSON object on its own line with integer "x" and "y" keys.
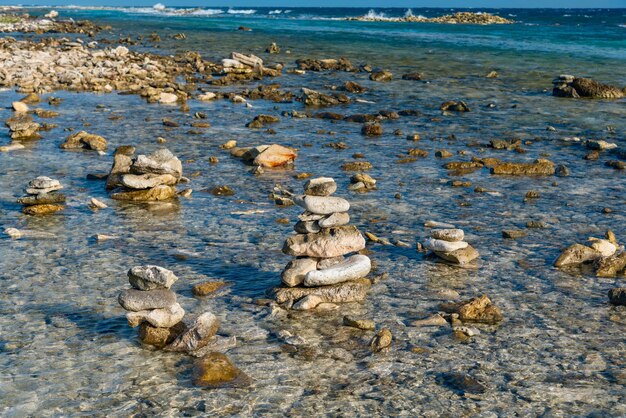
{"x": 459, "y": 18}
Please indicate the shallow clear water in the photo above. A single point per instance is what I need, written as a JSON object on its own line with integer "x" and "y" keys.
{"x": 65, "y": 347}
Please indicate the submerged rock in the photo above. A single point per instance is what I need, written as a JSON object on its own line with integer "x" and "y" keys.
{"x": 454, "y": 106}
{"x": 617, "y": 296}
{"x": 364, "y": 324}
{"x": 42, "y": 209}
{"x": 478, "y": 309}
{"x": 381, "y": 340}
{"x": 203, "y": 289}
{"x": 215, "y": 370}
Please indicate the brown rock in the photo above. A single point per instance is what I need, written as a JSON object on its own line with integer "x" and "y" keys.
{"x": 461, "y": 256}
{"x": 85, "y": 140}
{"x": 611, "y": 266}
{"x": 357, "y": 166}
{"x": 372, "y": 129}
{"x": 478, "y": 309}
{"x": 203, "y": 289}
{"x": 382, "y": 75}
{"x": 215, "y": 370}
{"x": 540, "y": 167}
{"x": 381, "y": 340}
{"x": 159, "y": 337}
{"x": 45, "y": 209}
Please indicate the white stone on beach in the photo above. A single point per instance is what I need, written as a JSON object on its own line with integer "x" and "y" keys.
{"x": 443, "y": 246}
{"x": 323, "y": 205}
{"x": 321, "y": 186}
{"x": 160, "y": 318}
{"x": 207, "y": 97}
{"x": 231, "y": 63}
{"x": 20, "y": 107}
{"x": 159, "y": 162}
{"x": 147, "y": 181}
{"x": 249, "y": 60}
{"x": 307, "y": 302}
{"x": 336, "y": 219}
{"x": 351, "y": 268}
{"x": 13, "y": 146}
{"x": 435, "y": 224}
{"x": 151, "y": 277}
{"x": 294, "y": 272}
{"x": 451, "y": 235}
{"x": 168, "y": 98}
{"x": 43, "y": 182}
{"x": 605, "y": 247}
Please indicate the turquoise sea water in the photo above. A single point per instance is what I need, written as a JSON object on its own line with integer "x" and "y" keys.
{"x": 65, "y": 347}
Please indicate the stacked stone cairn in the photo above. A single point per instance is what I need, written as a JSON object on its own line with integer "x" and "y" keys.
{"x": 144, "y": 178}
{"x": 448, "y": 245}
{"x": 152, "y": 306}
{"x": 42, "y": 197}
{"x": 322, "y": 270}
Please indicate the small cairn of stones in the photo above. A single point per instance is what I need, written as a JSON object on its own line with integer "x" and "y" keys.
{"x": 152, "y": 306}
{"x": 321, "y": 272}
{"x": 448, "y": 245}
{"x": 41, "y": 197}
{"x": 144, "y": 178}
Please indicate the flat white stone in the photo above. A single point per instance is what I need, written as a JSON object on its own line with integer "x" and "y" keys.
{"x": 308, "y": 302}
{"x": 336, "y": 219}
{"x": 168, "y": 98}
{"x": 321, "y": 186}
{"x": 322, "y": 205}
{"x": 43, "y": 182}
{"x": 435, "y": 224}
{"x": 604, "y": 246}
{"x": 451, "y": 235}
{"x": 443, "y": 246}
{"x": 352, "y": 268}
{"x": 294, "y": 272}
{"x": 161, "y": 318}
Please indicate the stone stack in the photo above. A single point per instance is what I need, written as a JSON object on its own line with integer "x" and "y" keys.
{"x": 322, "y": 270}
{"x": 144, "y": 178}
{"x": 152, "y": 306}
{"x": 448, "y": 245}
{"x": 42, "y": 197}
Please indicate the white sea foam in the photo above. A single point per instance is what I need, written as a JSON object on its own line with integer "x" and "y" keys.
{"x": 241, "y": 12}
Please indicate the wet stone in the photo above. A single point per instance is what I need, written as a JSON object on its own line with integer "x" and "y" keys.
{"x": 215, "y": 370}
